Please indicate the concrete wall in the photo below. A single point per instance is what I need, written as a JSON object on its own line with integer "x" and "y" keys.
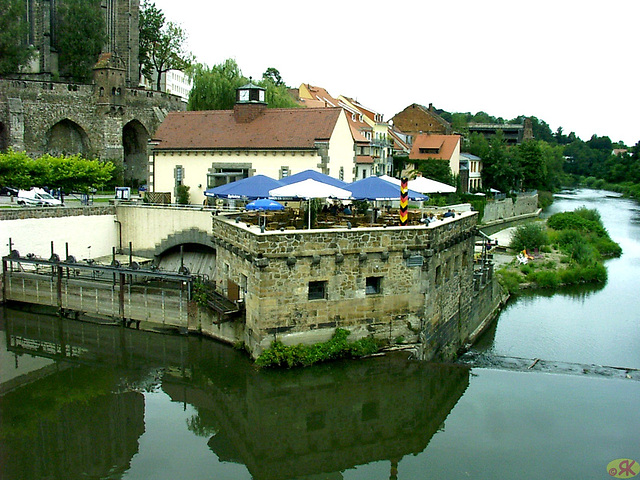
{"x": 90, "y": 232}
{"x": 151, "y": 230}
{"x": 276, "y": 269}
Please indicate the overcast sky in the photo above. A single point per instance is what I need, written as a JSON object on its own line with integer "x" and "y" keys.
{"x": 570, "y": 63}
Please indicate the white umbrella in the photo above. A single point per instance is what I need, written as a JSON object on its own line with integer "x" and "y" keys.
{"x": 426, "y": 185}
{"x": 423, "y": 185}
{"x": 309, "y": 189}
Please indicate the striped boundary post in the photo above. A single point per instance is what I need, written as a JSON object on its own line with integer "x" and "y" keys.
{"x": 404, "y": 201}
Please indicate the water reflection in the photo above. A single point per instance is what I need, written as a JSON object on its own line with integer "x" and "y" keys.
{"x": 85, "y": 416}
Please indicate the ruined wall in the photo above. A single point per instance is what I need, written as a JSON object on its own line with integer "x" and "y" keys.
{"x": 390, "y": 282}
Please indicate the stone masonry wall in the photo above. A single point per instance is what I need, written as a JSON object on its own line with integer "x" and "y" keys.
{"x": 508, "y": 208}
{"x": 424, "y": 275}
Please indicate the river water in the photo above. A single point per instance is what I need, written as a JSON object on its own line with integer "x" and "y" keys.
{"x": 550, "y": 391}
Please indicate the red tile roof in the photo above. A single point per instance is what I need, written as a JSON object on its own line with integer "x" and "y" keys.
{"x": 364, "y": 159}
{"x": 445, "y": 145}
{"x": 277, "y": 128}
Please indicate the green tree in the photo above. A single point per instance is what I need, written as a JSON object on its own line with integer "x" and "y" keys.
{"x": 532, "y": 164}
{"x": 215, "y": 88}
{"x": 81, "y": 36}
{"x": 72, "y": 173}
{"x": 273, "y": 75}
{"x": 14, "y": 52}
{"x": 500, "y": 169}
{"x": 150, "y": 24}
{"x": 168, "y": 51}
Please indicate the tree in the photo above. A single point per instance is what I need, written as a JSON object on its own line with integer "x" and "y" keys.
{"x": 272, "y": 75}
{"x": 151, "y": 22}
{"x": 14, "y": 52}
{"x": 500, "y": 170}
{"x": 81, "y": 36}
{"x": 532, "y": 164}
{"x": 162, "y": 44}
{"x": 72, "y": 173}
{"x": 215, "y": 88}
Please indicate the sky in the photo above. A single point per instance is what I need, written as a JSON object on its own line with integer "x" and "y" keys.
{"x": 570, "y": 63}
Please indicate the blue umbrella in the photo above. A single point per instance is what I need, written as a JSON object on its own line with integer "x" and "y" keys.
{"x": 257, "y": 186}
{"x": 376, "y": 188}
{"x": 264, "y": 204}
{"x": 314, "y": 175}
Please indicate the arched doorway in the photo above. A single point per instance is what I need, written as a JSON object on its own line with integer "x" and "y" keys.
{"x": 134, "y": 141}
{"x": 67, "y": 138}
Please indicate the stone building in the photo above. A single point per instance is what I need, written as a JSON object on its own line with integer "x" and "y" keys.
{"x": 411, "y": 283}
{"x": 416, "y": 119}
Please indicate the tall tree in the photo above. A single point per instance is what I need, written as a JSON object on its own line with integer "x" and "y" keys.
{"x": 215, "y": 88}
{"x": 14, "y": 51}
{"x": 532, "y": 165}
{"x": 81, "y": 36}
{"x": 151, "y": 22}
{"x": 273, "y": 75}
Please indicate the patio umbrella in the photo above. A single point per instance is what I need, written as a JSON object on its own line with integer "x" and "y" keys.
{"x": 257, "y": 186}
{"x": 264, "y": 204}
{"x": 377, "y": 188}
{"x": 423, "y": 185}
{"x": 315, "y": 175}
{"x": 308, "y": 189}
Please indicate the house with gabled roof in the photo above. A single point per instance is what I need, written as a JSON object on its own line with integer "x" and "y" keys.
{"x": 206, "y": 149}
{"x": 373, "y": 149}
{"x": 436, "y": 147}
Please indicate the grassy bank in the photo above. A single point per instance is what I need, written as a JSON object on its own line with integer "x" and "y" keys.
{"x": 569, "y": 249}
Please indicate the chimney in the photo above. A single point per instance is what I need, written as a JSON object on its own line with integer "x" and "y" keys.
{"x": 247, "y": 112}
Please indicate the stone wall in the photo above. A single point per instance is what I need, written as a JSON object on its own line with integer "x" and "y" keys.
{"x": 392, "y": 283}
{"x": 509, "y": 208}
{"x": 49, "y": 117}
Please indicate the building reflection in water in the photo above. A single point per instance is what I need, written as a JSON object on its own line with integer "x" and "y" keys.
{"x": 86, "y": 415}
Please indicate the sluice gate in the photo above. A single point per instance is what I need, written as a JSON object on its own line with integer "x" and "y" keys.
{"x": 126, "y": 294}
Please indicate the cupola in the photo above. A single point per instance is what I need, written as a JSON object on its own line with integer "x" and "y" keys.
{"x": 250, "y": 93}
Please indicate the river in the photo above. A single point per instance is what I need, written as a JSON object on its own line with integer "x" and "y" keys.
{"x": 550, "y": 391}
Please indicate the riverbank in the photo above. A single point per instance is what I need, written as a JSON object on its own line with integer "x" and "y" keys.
{"x": 568, "y": 249}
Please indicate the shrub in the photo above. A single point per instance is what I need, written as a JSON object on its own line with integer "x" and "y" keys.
{"x": 182, "y": 194}
{"x": 509, "y": 280}
{"x": 280, "y": 355}
{"x": 545, "y": 278}
{"x": 529, "y": 236}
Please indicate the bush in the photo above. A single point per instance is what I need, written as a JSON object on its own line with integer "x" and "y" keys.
{"x": 529, "y": 236}
{"x": 182, "y": 194}
{"x": 545, "y": 278}
{"x": 280, "y": 355}
{"x": 509, "y": 280}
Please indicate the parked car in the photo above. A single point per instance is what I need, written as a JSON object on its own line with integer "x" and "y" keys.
{"x": 37, "y": 197}
{"x": 8, "y": 191}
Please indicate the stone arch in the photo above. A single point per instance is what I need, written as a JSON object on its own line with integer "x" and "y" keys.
{"x": 68, "y": 138}
{"x": 198, "y": 253}
{"x": 4, "y": 138}
{"x": 134, "y": 142}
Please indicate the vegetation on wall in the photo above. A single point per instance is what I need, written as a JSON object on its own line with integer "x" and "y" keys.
{"x": 80, "y": 36}
{"x": 280, "y": 355}
{"x": 14, "y": 53}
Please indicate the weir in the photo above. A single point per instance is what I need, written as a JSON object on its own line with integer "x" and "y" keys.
{"x": 126, "y": 294}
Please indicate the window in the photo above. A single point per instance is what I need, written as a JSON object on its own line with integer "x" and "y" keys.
{"x": 341, "y": 174}
{"x": 222, "y": 176}
{"x": 317, "y": 290}
{"x": 373, "y": 285}
{"x": 284, "y": 172}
